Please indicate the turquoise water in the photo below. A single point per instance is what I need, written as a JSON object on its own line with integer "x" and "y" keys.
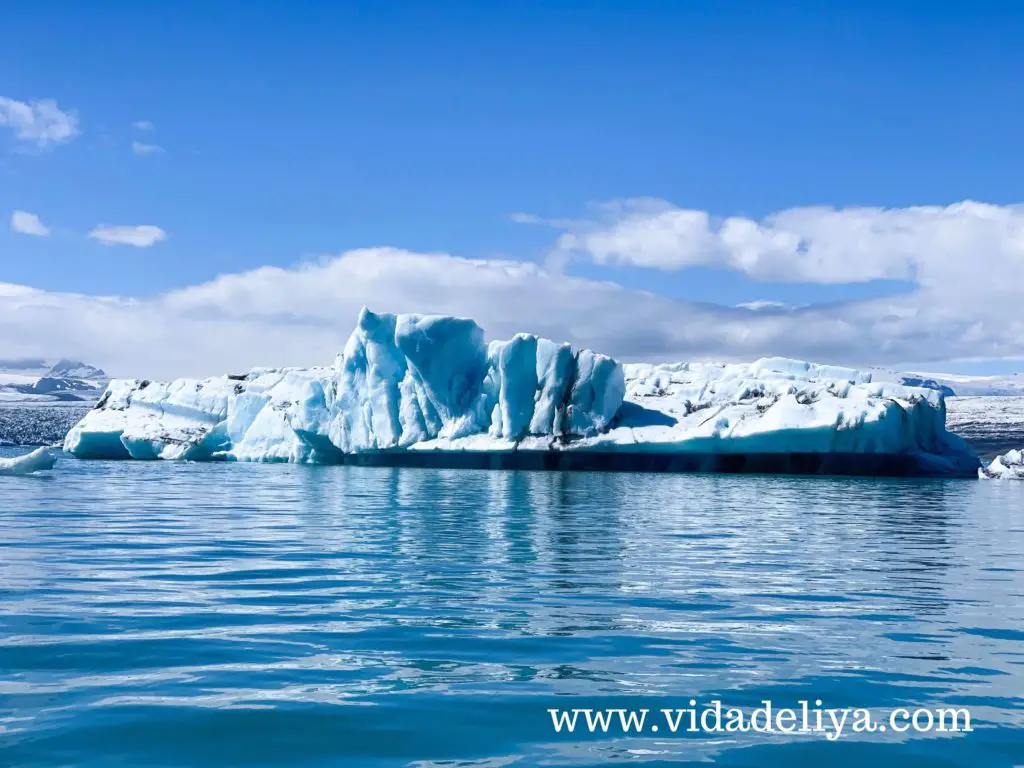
{"x": 188, "y": 615}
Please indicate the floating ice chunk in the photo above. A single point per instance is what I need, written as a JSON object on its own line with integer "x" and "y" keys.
{"x": 1009, "y": 466}
{"x": 38, "y": 460}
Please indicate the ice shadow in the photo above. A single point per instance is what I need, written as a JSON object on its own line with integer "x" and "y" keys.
{"x": 635, "y": 415}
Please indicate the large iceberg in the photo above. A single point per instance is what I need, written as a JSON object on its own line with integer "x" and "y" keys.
{"x": 416, "y": 389}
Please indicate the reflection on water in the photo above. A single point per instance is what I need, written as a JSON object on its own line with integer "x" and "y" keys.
{"x": 243, "y": 614}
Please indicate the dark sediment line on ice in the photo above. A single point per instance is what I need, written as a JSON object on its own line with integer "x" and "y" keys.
{"x": 859, "y": 464}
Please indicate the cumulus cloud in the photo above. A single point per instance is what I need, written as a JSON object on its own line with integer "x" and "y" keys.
{"x": 27, "y": 223}
{"x": 41, "y": 123}
{"x": 303, "y": 315}
{"x": 146, "y": 149}
{"x": 954, "y": 249}
{"x": 143, "y": 125}
{"x": 140, "y": 235}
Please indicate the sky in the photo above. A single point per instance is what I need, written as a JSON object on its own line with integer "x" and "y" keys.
{"x": 190, "y": 188}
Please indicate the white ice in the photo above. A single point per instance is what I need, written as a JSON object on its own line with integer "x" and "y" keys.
{"x": 1009, "y": 466}
{"x": 38, "y": 460}
{"x": 401, "y": 381}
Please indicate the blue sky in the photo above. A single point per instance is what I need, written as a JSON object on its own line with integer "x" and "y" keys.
{"x": 290, "y": 131}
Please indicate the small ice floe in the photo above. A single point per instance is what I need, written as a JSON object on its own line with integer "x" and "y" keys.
{"x": 36, "y": 461}
{"x": 1009, "y": 466}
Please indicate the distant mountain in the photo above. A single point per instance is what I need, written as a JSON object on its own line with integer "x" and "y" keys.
{"x": 39, "y": 381}
{"x": 1011, "y": 385}
{"x": 75, "y": 369}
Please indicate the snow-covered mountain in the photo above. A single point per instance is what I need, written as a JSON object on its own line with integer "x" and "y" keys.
{"x": 39, "y": 381}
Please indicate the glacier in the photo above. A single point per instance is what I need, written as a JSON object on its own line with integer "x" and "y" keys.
{"x": 429, "y": 390}
{"x": 991, "y": 425}
{"x": 37, "y": 461}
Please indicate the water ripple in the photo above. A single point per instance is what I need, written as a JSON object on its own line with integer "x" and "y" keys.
{"x": 172, "y": 614}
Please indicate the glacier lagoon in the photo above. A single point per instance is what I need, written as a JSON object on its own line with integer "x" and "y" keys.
{"x": 174, "y": 614}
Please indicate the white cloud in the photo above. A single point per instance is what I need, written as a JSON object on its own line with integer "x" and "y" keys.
{"x": 141, "y": 235}
{"x": 143, "y": 125}
{"x": 145, "y": 149}
{"x": 303, "y": 315}
{"x": 28, "y": 224}
{"x": 526, "y": 218}
{"x": 764, "y": 305}
{"x": 947, "y": 249}
{"x": 41, "y": 123}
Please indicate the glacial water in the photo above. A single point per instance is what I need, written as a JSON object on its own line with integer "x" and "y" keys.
{"x": 160, "y": 614}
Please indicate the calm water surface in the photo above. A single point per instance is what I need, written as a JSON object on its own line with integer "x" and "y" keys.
{"x": 188, "y": 615}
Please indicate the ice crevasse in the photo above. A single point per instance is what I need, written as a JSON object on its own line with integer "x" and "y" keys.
{"x": 419, "y": 388}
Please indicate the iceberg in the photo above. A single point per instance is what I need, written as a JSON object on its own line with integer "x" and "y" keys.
{"x": 1008, "y": 466}
{"x": 429, "y": 390}
{"x": 403, "y": 381}
{"x": 38, "y": 460}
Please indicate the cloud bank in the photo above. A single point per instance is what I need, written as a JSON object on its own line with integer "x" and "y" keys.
{"x": 950, "y": 250}
{"x": 302, "y": 315}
